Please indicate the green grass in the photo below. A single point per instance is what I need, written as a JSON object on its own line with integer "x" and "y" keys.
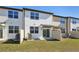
{"x": 42, "y": 46}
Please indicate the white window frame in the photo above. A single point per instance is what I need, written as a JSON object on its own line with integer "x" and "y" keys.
{"x": 34, "y": 30}
{"x": 13, "y": 29}
{"x": 33, "y": 14}
{"x": 13, "y": 15}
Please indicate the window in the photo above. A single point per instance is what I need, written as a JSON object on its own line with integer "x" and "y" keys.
{"x": 34, "y": 15}
{"x": 74, "y": 21}
{"x": 62, "y": 20}
{"x": 34, "y": 29}
{"x": 13, "y": 14}
{"x": 10, "y": 29}
{"x": 73, "y": 29}
{"x": 31, "y": 29}
{"x": 1, "y": 33}
{"x": 13, "y": 29}
{"x": 10, "y": 14}
{"x": 62, "y": 30}
{"x": 16, "y": 29}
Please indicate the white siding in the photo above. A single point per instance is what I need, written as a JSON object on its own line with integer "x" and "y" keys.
{"x": 10, "y": 22}
{"x": 45, "y": 19}
{"x": 74, "y": 26}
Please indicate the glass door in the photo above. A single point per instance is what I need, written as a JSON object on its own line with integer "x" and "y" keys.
{"x": 46, "y": 33}
{"x": 1, "y": 33}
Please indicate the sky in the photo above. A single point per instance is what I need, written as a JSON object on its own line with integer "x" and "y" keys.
{"x": 72, "y": 11}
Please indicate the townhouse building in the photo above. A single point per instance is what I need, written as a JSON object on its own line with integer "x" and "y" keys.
{"x": 10, "y": 22}
{"x": 35, "y": 23}
{"x": 61, "y": 22}
{"x": 38, "y": 24}
{"x": 73, "y": 24}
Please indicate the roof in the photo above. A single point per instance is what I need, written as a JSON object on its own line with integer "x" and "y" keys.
{"x": 59, "y": 16}
{"x": 66, "y": 16}
{"x": 38, "y": 10}
{"x": 10, "y": 8}
{"x": 72, "y": 17}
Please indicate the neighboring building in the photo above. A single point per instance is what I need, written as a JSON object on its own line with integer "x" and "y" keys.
{"x": 73, "y": 24}
{"x": 10, "y": 22}
{"x": 66, "y": 24}
{"x": 61, "y": 22}
{"x": 38, "y": 24}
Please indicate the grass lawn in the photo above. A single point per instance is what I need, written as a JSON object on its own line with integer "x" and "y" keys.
{"x": 42, "y": 46}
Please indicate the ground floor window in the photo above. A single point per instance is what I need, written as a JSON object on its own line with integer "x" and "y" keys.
{"x": 34, "y": 29}
{"x": 13, "y": 29}
{"x": 73, "y": 29}
{"x": 1, "y": 33}
{"x": 63, "y": 30}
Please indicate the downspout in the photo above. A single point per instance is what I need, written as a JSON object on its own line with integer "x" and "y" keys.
{"x": 23, "y": 25}
{"x": 68, "y": 27}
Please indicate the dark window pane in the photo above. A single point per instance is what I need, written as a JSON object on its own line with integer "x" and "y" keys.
{"x": 16, "y": 27}
{"x": 32, "y": 13}
{"x": 16, "y": 31}
{"x": 10, "y": 14}
{"x": 74, "y": 22}
{"x": 15, "y": 14}
{"x": 62, "y": 21}
{"x": 73, "y": 29}
{"x": 10, "y": 31}
{"x": 37, "y": 14}
{"x": 1, "y": 33}
{"x": 31, "y": 29}
{"x": 48, "y": 33}
{"x": 37, "y": 18}
{"x": 10, "y": 27}
{"x": 36, "y": 29}
{"x": 62, "y": 30}
{"x": 32, "y": 17}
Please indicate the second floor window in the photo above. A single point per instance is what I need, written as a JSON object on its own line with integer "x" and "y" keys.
{"x": 74, "y": 21}
{"x": 34, "y": 15}
{"x": 13, "y": 14}
{"x": 62, "y": 20}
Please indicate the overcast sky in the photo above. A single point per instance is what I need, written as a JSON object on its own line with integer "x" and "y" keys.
{"x": 57, "y": 10}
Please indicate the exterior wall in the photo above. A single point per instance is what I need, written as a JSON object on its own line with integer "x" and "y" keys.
{"x": 74, "y": 35}
{"x": 74, "y": 25}
{"x": 57, "y": 22}
{"x": 45, "y": 19}
{"x": 57, "y": 34}
{"x": 9, "y": 22}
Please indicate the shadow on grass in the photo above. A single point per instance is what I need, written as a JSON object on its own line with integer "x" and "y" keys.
{"x": 52, "y": 40}
{"x": 11, "y": 42}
